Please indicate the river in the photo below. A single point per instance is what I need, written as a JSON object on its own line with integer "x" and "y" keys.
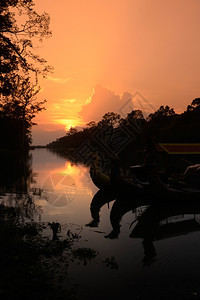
{"x": 155, "y": 253}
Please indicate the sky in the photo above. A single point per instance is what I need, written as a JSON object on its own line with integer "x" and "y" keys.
{"x": 116, "y": 55}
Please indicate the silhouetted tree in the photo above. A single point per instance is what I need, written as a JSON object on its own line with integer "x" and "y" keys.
{"x": 132, "y": 118}
{"x": 71, "y": 131}
{"x": 110, "y": 119}
{"x": 161, "y": 113}
{"x": 20, "y": 25}
{"x": 196, "y": 102}
{"x": 22, "y": 105}
{"x": 164, "y": 125}
{"x": 91, "y": 124}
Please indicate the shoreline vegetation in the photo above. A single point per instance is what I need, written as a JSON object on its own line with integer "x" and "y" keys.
{"x": 35, "y": 256}
{"x": 30, "y": 263}
{"x": 22, "y": 248}
{"x": 162, "y": 126}
{"x": 34, "y": 266}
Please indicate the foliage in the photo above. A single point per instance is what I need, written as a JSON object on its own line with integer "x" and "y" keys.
{"x": 167, "y": 126}
{"x": 111, "y": 262}
{"x": 84, "y": 254}
{"x": 22, "y": 275}
{"x": 71, "y": 131}
{"x": 19, "y": 108}
{"x": 195, "y": 102}
{"x": 21, "y": 25}
{"x": 109, "y": 123}
{"x": 161, "y": 113}
{"x": 22, "y": 28}
{"x": 109, "y": 119}
{"x": 31, "y": 265}
{"x": 22, "y": 103}
{"x": 164, "y": 125}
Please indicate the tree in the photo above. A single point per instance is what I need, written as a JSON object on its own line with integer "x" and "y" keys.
{"x": 91, "y": 124}
{"x": 110, "y": 119}
{"x": 132, "y": 118}
{"x": 160, "y": 124}
{"x": 21, "y": 29}
{"x": 195, "y": 104}
{"x": 71, "y": 131}
{"x": 22, "y": 105}
{"x": 21, "y": 26}
{"x": 161, "y": 113}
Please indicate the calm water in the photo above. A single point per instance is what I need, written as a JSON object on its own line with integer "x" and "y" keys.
{"x": 157, "y": 250}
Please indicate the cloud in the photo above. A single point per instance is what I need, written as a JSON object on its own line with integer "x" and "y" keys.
{"x": 59, "y": 79}
{"x": 70, "y": 100}
{"x": 63, "y": 109}
{"x": 104, "y": 100}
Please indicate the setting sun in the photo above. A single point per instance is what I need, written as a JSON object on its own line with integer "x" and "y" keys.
{"x": 100, "y": 149}
{"x": 68, "y": 123}
{"x": 151, "y": 48}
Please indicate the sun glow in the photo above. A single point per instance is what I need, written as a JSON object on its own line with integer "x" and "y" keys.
{"x": 70, "y": 169}
{"x": 68, "y": 123}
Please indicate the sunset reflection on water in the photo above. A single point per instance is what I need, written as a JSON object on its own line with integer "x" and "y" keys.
{"x": 152, "y": 256}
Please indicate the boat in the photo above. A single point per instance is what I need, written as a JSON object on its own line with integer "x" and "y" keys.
{"x": 169, "y": 193}
{"x": 99, "y": 179}
{"x": 153, "y": 187}
{"x": 115, "y": 182}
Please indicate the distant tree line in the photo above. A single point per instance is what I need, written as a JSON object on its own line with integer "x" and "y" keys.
{"x": 21, "y": 27}
{"x": 164, "y": 125}
{"x": 167, "y": 126}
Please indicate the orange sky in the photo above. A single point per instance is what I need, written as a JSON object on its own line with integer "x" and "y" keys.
{"x": 104, "y": 51}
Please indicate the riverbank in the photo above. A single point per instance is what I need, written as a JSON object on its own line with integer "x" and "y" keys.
{"x": 29, "y": 262}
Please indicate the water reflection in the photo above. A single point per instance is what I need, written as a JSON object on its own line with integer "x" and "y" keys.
{"x": 56, "y": 228}
{"x": 23, "y": 184}
{"x": 16, "y": 177}
{"x": 15, "y": 172}
{"x": 119, "y": 209}
{"x": 161, "y": 222}
{"x": 66, "y": 187}
{"x": 100, "y": 199}
{"x": 150, "y": 223}
{"x": 138, "y": 234}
